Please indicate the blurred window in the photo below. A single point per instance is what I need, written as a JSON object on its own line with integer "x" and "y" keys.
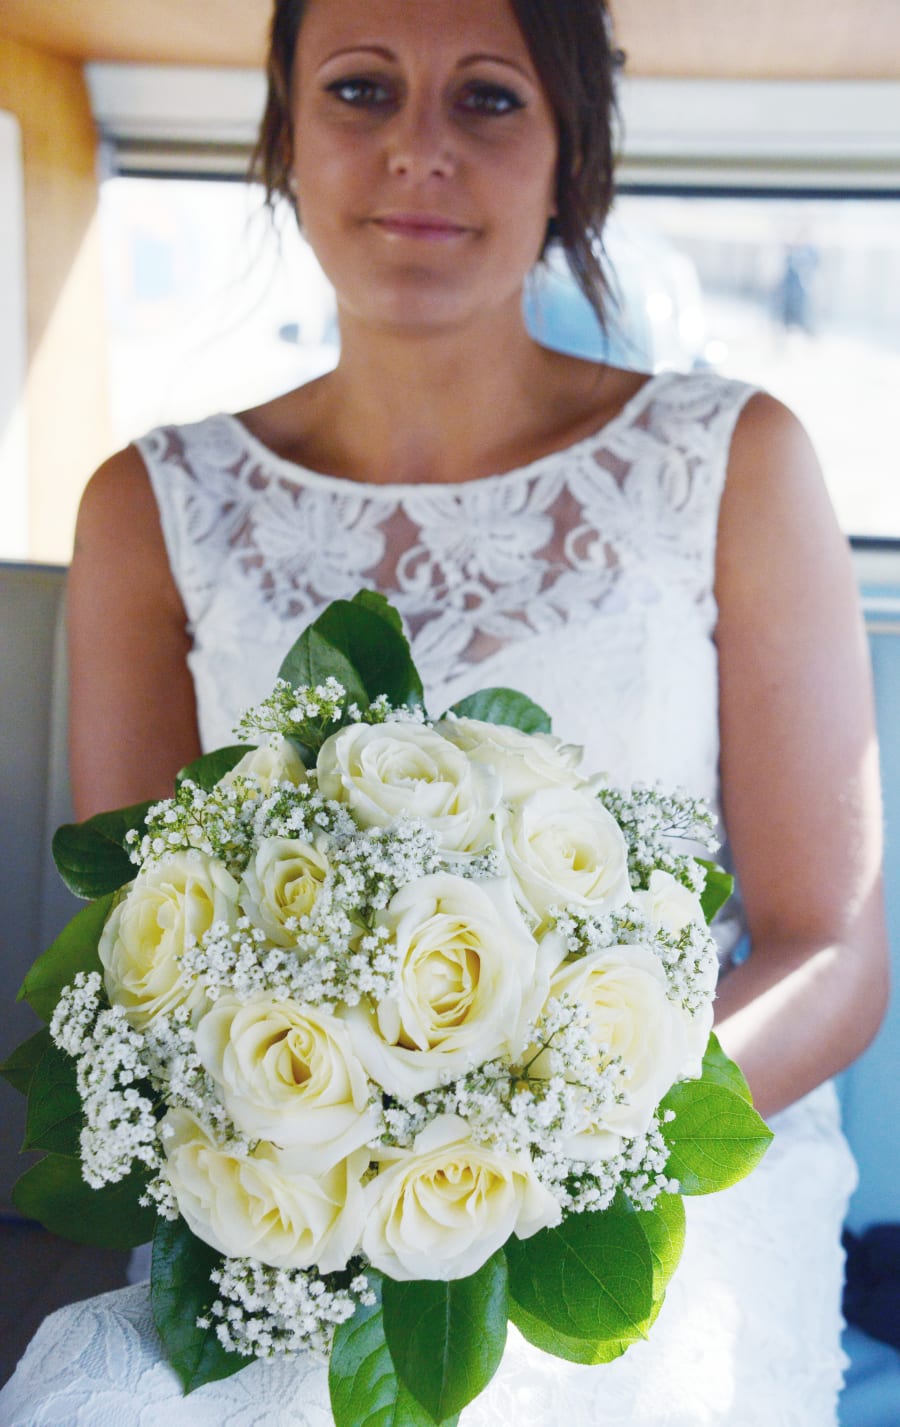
{"x": 213, "y": 307}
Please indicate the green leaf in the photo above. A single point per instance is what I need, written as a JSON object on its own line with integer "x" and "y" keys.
{"x": 206, "y": 770}
{"x": 562, "y": 1345}
{"x": 719, "y": 1070}
{"x": 54, "y": 1193}
{"x": 504, "y": 706}
{"x": 719, "y": 887}
{"x": 446, "y": 1339}
{"x": 664, "y": 1226}
{"x": 19, "y": 1067}
{"x": 385, "y": 662}
{"x": 54, "y": 1105}
{"x": 715, "y": 1139}
{"x": 313, "y": 658}
{"x": 74, "y": 950}
{"x": 180, "y": 1292}
{"x": 379, "y": 604}
{"x": 91, "y": 856}
{"x": 365, "y": 1390}
{"x": 305, "y": 751}
{"x": 362, "y": 645}
{"x": 590, "y": 1277}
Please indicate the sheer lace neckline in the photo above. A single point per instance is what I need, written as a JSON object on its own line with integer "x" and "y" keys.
{"x": 306, "y": 474}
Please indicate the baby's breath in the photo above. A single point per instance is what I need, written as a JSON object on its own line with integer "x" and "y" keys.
{"x": 381, "y": 710}
{"x": 651, "y": 819}
{"x": 218, "y": 822}
{"x": 516, "y": 1109}
{"x": 112, "y": 1077}
{"x": 689, "y": 957}
{"x": 304, "y": 713}
{"x": 309, "y": 713}
{"x": 267, "y": 1312}
{"x": 639, "y": 1168}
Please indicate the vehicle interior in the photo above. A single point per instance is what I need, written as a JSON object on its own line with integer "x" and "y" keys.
{"x": 757, "y": 233}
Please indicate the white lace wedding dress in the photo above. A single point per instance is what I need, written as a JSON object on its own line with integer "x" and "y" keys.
{"x": 584, "y": 579}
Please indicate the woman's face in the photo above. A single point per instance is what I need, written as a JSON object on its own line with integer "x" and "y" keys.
{"x": 424, "y": 157}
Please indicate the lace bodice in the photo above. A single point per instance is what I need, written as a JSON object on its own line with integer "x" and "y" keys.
{"x": 584, "y": 578}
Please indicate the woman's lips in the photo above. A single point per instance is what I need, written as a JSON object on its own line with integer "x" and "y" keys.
{"x": 423, "y": 226}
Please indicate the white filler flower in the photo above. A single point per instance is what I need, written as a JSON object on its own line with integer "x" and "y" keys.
{"x": 288, "y": 1073}
{"x": 469, "y": 979}
{"x": 441, "y": 1209}
{"x": 264, "y": 1205}
{"x": 163, "y": 912}
{"x": 383, "y": 771}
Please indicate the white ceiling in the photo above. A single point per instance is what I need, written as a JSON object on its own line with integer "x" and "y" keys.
{"x": 775, "y": 39}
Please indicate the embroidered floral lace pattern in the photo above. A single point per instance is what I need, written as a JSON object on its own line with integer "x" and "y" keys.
{"x": 586, "y": 579}
{"x": 472, "y": 567}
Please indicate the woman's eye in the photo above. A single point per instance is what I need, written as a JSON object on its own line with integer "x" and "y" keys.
{"x": 490, "y": 99}
{"x": 360, "y": 93}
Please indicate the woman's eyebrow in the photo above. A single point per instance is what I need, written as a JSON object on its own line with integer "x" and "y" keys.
{"x": 496, "y": 59}
{"x": 383, "y": 52}
{"x": 380, "y": 50}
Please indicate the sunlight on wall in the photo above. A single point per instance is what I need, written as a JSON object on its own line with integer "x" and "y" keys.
{"x": 68, "y": 433}
{"x": 66, "y": 383}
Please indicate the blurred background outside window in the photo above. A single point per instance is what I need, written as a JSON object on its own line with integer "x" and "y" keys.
{"x": 212, "y": 306}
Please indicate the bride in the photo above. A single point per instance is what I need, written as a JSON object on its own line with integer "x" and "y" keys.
{"x": 653, "y": 559}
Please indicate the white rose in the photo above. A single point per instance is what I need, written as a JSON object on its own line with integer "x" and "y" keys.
{"x": 288, "y": 1073}
{"x": 668, "y": 904}
{"x": 282, "y": 882}
{"x": 166, "y": 909}
{"x": 469, "y": 979}
{"x": 383, "y": 771}
{"x": 524, "y": 762}
{"x": 564, "y": 849}
{"x": 631, "y": 1017}
{"x": 269, "y": 765}
{"x": 440, "y": 1210}
{"x": 264, "y": 1205}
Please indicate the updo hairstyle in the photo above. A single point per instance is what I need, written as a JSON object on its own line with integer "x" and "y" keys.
{"x": 570, "y": 45}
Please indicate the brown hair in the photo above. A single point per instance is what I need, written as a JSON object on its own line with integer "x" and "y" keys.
{"x": 571, "y": 48}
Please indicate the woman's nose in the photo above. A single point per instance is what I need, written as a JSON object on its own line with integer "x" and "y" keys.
{"x": 420, "y": 144}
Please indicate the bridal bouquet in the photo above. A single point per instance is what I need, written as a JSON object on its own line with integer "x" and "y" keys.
{"x": 387, "y": 1031}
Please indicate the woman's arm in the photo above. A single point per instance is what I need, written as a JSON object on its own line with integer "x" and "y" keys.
{"x": 132, "y": 717}
{"x": 799, "y": 768}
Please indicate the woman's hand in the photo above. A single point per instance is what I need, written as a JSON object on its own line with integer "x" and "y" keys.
{"x": 132, "y": 717}
{"x": 799, "y": 766}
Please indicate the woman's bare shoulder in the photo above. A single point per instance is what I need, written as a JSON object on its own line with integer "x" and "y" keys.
{"x": 118, "y": 535}
{"x": 119, "y": 490}
{"x": 776, "y": 500}
{"x": 132, "y": 719}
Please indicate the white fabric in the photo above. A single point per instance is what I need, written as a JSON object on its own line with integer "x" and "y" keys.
{"x": 584, "y": 579}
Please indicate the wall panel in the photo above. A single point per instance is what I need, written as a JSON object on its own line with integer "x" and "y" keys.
{"x": 66, "y": 402}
